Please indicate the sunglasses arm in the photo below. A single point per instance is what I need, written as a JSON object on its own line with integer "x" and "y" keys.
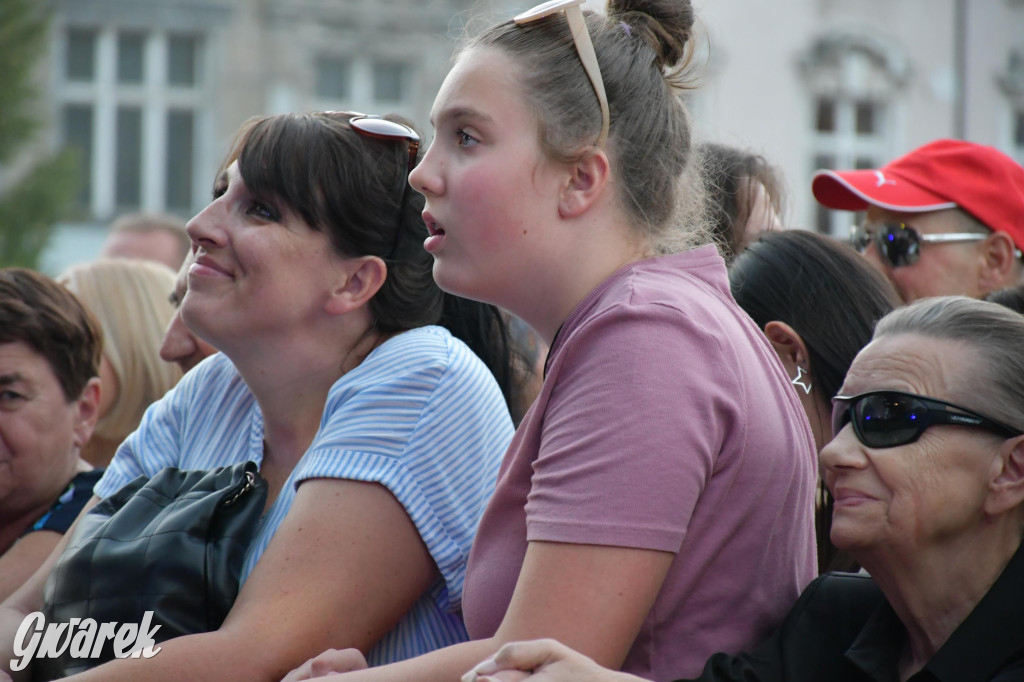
{"x": 581, "y": 35}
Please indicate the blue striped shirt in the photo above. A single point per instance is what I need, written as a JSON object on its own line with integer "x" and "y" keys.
{"x": 421, "y": 416}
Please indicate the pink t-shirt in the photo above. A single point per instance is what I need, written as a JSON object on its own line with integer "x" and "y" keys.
{"x": 665, "y": 422}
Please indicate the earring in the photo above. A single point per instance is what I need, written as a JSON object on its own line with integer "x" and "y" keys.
{"x": 799, "y": 380}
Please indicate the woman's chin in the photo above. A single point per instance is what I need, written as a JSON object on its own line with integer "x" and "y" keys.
{"x": 851, "y": 537}
{"x": 451, "y": 281}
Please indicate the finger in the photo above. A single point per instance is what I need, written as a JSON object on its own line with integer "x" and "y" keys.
{"x": 335, "y": 661}
{"x": 296, "y": 675}
{"x": 529, "y": 655}
{"x": 526, "y": 656}
{"x": 505, "y": 676}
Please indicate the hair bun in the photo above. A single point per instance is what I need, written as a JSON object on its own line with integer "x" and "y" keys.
{"x": 666, "y": 25}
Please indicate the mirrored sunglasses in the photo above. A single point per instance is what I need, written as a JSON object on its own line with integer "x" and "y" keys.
{"x": 886, "y": 419}
{"x": 899, "y": 244}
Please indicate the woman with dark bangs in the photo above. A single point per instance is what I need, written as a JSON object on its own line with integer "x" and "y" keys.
{"x": 379, "y": 433}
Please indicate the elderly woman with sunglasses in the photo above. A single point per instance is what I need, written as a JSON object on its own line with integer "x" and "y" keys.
{"x": 379, "y": 434}
{"x": 927, "y": 469}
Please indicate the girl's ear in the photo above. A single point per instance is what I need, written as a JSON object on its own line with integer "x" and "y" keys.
{"x": 789, "y": 346}
{"x": 587, "y": 181}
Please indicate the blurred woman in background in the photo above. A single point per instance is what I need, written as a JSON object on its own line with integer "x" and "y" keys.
{"x": 129, "y": 299}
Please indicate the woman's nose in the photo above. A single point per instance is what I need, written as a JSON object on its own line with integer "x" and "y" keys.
{"x": 843, "y": 451}
{"x": 425, "y": 177}
{"x": 206, "y": 227}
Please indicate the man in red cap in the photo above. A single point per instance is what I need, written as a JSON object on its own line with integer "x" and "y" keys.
{"x": 947, "y": 218}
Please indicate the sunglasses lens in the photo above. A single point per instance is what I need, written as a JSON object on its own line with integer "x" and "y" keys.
{"x": 382, "y": 127}
{"x": 899, "y": 244}
{"x": 840, "y": 415}
{"x": 885, "y": 421}
{"x": 860, "y": 238}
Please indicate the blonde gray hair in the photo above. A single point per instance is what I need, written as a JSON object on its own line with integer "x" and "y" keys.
{"x": 130, "y": 299}
{"x": 995, "y": 335}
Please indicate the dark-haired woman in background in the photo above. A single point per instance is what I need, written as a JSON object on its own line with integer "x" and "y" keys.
{"x": 817, "y": 301}
{"x": 379, "y": 434}
{"x": 743, "y": 195}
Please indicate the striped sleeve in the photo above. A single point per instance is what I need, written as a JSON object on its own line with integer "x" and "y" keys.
{"x": 427, "y": 421}
{"x": 203, "y": 422}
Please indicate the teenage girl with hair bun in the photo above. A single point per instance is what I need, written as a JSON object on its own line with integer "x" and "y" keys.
{"x": 660, "y": 490}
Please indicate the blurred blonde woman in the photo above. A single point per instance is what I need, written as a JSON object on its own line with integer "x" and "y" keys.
{"x": 129, "y": 298}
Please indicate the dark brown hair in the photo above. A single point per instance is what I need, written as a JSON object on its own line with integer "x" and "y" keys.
{"x": 45, "y": 316}
{"x": 833, "y": 299}
{"x": 643, "y": 49}
{"x": 729, "y": 175}
{"x": 351, "y": 187}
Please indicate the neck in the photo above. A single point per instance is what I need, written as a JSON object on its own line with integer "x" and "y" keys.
{"x": 576, "y": 269}
{"x": 934, "y": 589}
{"x": 291, "y": 384}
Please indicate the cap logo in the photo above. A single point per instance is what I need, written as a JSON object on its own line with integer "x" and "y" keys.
{"x": 882, "y": 180}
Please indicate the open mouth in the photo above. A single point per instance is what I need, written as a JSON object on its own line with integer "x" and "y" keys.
{"x": 435, "y": 230}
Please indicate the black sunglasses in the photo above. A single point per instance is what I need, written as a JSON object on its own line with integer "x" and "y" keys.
{"x": 899, "y": 244}
{"x": 375, "y": 127}
{"x": 885, "y": 419}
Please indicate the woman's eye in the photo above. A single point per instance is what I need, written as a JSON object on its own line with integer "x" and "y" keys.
{"x": 10, "y": 396}
{"x": 261, "y": 210}
{"x": 218, "y": 191}
{"x": 465, "y": 139}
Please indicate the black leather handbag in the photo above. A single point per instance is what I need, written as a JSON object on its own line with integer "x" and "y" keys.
{"x": 172, "y": 545}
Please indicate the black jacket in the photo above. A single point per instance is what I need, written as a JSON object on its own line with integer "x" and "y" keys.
{"x": 843, "y": 630}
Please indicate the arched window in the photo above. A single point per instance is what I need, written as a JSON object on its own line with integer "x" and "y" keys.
{"x": 854, "y": 84}
{"x": 1011, "y": 82}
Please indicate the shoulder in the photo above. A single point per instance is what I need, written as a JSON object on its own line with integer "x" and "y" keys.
{"x": 203, "y": 422}
{"x": 853, "y": 596}
{"x": 812, "y": 643}
{"x": 687, "y": 291}
{"x": 419, "y": 361}
{"x": 67, "y": 507}
{"x": 417, "y": 378}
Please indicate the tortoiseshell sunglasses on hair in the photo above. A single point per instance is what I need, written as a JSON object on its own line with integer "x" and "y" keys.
{"x": 383, "y": 129}
{"x": 372, "y": 126}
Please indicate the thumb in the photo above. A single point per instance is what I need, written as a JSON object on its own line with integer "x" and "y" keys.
{"x": 526, "y": 656}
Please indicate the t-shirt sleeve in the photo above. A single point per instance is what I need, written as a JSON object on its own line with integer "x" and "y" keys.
{"x": 431, "y": 426}
{"x": 159, "y": 441}
{"x": 633, "y": 431}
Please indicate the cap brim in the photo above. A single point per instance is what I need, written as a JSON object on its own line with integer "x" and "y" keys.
{"x": 856, "y": 190}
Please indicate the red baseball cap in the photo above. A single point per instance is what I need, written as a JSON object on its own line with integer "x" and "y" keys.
{"x": 942, "y": 174}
